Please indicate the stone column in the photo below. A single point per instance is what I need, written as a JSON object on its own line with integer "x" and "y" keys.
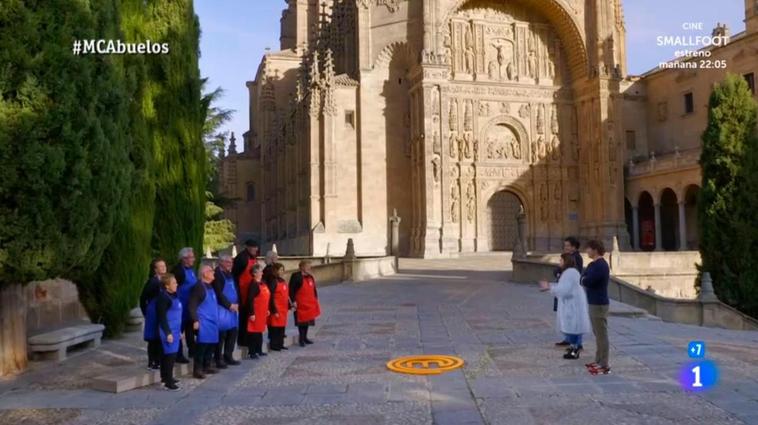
{"x": 636, "y": 227}
{"x": 682, "y": 228}
{"x": 658, "y": 245}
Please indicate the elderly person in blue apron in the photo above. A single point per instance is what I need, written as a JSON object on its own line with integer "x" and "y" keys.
{"x": 184, "y": 272}
{"x": 573, "y": 319}
{"x": 228, "y": 312}
{"x": 169, "y": 310}
{"x": 203, "y": 310}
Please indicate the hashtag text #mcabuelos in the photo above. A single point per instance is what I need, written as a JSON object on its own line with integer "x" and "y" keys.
{"x": 118, "y": 47}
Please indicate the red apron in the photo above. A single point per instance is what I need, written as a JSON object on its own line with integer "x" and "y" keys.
{"x": 308, "y": 307}
{"x": 260, "y": 310}
{"x": 245, "y": 279}
{"x": 282, "y": 303}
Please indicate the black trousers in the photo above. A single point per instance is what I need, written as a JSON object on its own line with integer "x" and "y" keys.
{"x": 202, "y": 356}
{"x": 256, "y": 342}
{"x": 276, "y": 337}
{"x": 154, "y": 352}
{"x": 225, "y": 346}
{"x": 189, "y": 337}
{"x": 303, "y": 331}
{"x": 167, "y": 367}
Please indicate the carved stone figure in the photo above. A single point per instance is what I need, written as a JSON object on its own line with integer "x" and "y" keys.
{"x": 453, "y": 146}
{"x": 555, "y": 149}
{"x": 453, "y": 115}
{"x": 468, "y": 145}
{"x": 524, "y": 111}
{"x": 471, "y": 201}
{"x": 515, "y": 148}
{"x": 454, "y": 203}
{"x": 540, "y": 119}
{"x": 554, "y": 119}
{"x": 484, "y": 109}
{"x": 532, "y": 61}
{"x": 468, "y": 117}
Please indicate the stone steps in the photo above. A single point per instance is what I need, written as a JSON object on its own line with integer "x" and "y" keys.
{"x": 133, "y": 377}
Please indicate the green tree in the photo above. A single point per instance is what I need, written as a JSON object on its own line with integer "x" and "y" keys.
{"x": 180, "y": 158}
{"x": 65, "y": 171}
{"x": 213, "y": 137}
{"x": 724, "y": 197}
{"x": 112, "y": 290}
{"x": 219, "y": 232}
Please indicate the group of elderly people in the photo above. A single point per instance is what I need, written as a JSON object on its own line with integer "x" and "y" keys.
{"x": 235, "y": 303}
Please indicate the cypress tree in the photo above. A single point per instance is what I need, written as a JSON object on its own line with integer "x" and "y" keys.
{"x": 724, "y": 197}
{"x": 180, "y": 153}
{"x": 64, "y": 141}
{"x": 113, "y": 289}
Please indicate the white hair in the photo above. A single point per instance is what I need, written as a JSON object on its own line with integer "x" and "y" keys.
{"x": 225, "y": 257}
{"x": 203, "y": 267}
{"x": 185, "y": 252}
{"x": 271, "y": 256}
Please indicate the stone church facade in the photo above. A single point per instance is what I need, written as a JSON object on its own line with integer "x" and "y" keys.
{"x": 455, "y": 114}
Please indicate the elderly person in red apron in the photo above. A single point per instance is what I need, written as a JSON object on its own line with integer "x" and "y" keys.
{"x": 304, "y": 298}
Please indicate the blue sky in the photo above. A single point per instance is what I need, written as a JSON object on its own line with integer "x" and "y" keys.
{"x": 236, "y": 33}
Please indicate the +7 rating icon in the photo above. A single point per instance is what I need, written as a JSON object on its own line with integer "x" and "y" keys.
{"x": 696, "y": 349}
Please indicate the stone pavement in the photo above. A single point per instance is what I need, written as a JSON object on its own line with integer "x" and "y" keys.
{"x": 505, "y": 332}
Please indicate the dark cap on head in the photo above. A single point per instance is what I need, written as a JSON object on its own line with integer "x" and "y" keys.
{"x": 251, "y": 242}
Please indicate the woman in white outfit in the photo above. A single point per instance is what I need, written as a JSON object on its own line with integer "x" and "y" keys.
{"x": 573, "y": 318}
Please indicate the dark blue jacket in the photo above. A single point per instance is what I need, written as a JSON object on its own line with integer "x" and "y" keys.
{"x": 595, "y": 281}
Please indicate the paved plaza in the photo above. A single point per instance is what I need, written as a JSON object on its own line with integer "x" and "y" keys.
{"x": 505, "y": 332}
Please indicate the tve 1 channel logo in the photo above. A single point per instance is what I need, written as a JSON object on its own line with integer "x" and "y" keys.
{"x": 700, "y": 375}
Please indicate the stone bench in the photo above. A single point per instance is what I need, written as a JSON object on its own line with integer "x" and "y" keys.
{"x": 54, "y": 345}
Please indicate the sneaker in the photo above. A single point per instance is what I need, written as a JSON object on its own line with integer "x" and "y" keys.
{"x": 601, "y": 371}
{"x": 308, "y": 341}
{"x": 171, "y": 386}
{"x": 252, "y": 356}
{"x": 592, "y": 365}
{"x": 562, "y": 344}
{"x": 571, "y": 354}
{"x": 262, "y": 354}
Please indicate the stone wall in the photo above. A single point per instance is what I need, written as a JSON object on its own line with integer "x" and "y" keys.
{"x": 51, "y": 304}
{"x": 694, "y": 312}
{"x": 669, "y": 274}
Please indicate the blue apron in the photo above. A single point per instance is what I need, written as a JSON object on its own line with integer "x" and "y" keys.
{"x": 174, "y": 318}
{"x": 150, "y": 333}
{"x": 185, "y": 289}
{"x": 228, "y": 319}
{"x": 207, "y": 315}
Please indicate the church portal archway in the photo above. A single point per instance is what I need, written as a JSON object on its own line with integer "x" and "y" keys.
{"x": 502, "y": 209}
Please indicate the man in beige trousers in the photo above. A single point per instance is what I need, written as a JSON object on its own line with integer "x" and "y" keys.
{"x": 595, "y": 281}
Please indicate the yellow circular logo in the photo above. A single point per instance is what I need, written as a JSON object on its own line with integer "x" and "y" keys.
{"x": 426, "y": 364}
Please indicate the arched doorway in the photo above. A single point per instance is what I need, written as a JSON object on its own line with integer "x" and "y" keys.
{"x": 502, "y": 209}
{"x": 628, "y": 213}
{"x": 669, "y": 220}
{"x": 647, "y": 222}
{"x": 690, "y": 216}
